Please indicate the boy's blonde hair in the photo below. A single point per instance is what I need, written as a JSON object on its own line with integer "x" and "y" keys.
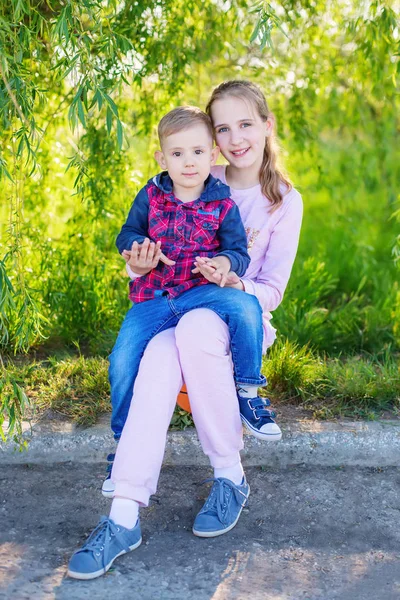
{"x": 271, "y": 177}
{"x": 181, "y": 118}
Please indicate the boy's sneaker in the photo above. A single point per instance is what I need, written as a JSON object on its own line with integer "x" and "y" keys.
{"x": 108, "y": 487}
{"x": 106, "y": 542}
{"x": 258, "y": 419}
{"x": 221, "y": 510}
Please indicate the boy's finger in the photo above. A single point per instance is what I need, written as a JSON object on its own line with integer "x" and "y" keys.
{"x": 134, "y": 249}
{"x": 144, "y": 250}
{"x": 157, "y": 256}
{"x": 151, "y": 251}
{"x": 165, "y": 260}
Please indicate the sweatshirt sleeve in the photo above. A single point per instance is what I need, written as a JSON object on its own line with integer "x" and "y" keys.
{"x": 272, "y": 279}
{"x": 136, "y": 226}
{"x": 233, "y": 241}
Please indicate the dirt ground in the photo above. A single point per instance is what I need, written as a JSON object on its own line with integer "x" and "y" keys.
{"x": 306, "y": 534}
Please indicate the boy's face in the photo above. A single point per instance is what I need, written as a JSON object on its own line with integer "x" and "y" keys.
{"x": 188, "y": 156}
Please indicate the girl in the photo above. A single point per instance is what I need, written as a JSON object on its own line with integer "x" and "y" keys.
{"x": 199, "y": 346}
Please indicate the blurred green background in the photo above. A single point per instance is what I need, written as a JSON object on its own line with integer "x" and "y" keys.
{"x": 82, "y": 87}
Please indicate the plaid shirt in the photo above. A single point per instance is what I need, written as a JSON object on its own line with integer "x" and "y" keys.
{"x": 207, "y": 226}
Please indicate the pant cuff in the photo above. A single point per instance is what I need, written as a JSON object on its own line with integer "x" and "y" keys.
{"x": 123, "y": 489}
{"x": 221, "y": 462}
{"x": 260, "y": 382}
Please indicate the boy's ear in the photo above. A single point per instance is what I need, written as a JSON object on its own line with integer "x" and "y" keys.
{"x": 214, "y": 155}
{"x": 159, "y": 156}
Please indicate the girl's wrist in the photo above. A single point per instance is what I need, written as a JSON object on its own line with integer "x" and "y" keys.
{"x": 239, "y": 285}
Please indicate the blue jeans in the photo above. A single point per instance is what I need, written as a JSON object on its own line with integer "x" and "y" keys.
{"x": 240, "y": 311}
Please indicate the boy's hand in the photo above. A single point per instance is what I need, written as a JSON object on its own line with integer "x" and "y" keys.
{"x": 214, "y": 269}
{"x": 142, "y": 258}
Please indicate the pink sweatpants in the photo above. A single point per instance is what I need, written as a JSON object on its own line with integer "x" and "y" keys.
{"x": 198, "y": 351}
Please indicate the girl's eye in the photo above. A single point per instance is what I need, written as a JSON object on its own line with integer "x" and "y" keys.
{"x": 222, "y": 130}
{"x": 246, "y": 124}
{"x": 198, "y": 151}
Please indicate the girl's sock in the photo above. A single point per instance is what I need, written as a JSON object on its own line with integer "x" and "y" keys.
{"x": 124, "y": 512}
{"x": 234, "y": 473}
{"x": 247, "y": 391}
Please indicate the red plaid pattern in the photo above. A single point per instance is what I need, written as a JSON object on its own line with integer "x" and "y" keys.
{"x": 185, "y": 231}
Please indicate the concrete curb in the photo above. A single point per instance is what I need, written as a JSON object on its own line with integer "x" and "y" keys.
{"x": 319, "y": 443}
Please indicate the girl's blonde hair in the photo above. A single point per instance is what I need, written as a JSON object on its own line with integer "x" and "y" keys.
{"x": 271, "y": 177}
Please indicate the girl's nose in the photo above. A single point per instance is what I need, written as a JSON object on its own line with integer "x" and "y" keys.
{"x": 236, "y": 137}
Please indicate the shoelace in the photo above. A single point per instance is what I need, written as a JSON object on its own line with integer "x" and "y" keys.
{"x": 100, "y": 538}
{"x": 258, "y": 406}
{"x": 219, "y": 496}
{"x": 110, "y": 460}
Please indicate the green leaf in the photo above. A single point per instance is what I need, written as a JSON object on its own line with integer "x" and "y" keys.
{"x": 120, "y": 134}
{"x": 81, "y": 112}
{"x": 109, "y": 120}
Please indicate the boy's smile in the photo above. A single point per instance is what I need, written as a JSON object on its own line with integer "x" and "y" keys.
{"x": 188, "y": 156}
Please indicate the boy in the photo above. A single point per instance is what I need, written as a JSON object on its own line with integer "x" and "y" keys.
{"x": 181, "y": 214}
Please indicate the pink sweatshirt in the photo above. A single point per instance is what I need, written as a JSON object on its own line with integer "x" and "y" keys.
{"x": 272, "y": 241}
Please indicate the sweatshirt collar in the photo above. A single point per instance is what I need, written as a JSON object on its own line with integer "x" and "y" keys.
{"x": 214, "y": 189}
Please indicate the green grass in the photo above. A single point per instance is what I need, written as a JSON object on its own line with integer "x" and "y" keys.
{"x": 351, "y": 386}
{"x": 359, "y": 386}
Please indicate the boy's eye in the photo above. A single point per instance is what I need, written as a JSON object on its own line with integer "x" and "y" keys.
{"x": 176, "y": 153}
{"x": 198, "y": 151}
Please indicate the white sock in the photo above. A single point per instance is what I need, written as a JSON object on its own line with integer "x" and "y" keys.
{"x": 124, "y": 512}
{"x": 247, "y": 391}
{"x": 234, "y": 473}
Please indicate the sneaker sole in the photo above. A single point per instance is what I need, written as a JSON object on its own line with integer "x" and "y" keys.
{"x": 107, "y": 494}
{"x": 209, "y": 534}
{"x": 85, "y": 576}
{"x": 266, "y": 437}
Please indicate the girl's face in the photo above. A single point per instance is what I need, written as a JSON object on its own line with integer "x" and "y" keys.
{"x": 240, "y": 132}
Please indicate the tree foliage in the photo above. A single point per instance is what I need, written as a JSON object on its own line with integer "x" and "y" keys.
{"x": 82, "y": 85}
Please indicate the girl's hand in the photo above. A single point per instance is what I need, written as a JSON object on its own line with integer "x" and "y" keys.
{"x": 142, "y": 258}
{"x": 214, "y": 269}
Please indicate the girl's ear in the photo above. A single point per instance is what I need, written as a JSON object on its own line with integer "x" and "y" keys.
{"x": 159, "y": 156}
{"x": 269, "y": 125}
{"x": 214, "y": 155}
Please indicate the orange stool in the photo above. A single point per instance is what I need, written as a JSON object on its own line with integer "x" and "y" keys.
{"x": 183, "y": 399}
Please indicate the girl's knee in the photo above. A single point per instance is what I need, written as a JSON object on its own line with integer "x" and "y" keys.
{"x": 201, "y": 328}
{"x": 161, "y": 348}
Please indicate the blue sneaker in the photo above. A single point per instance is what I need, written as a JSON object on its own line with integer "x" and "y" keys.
{"x": 221, "y": 510}
{"x": 106, "y": 542}
{"x": 258, "y": 420}
{"x": 108, "y": 487}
